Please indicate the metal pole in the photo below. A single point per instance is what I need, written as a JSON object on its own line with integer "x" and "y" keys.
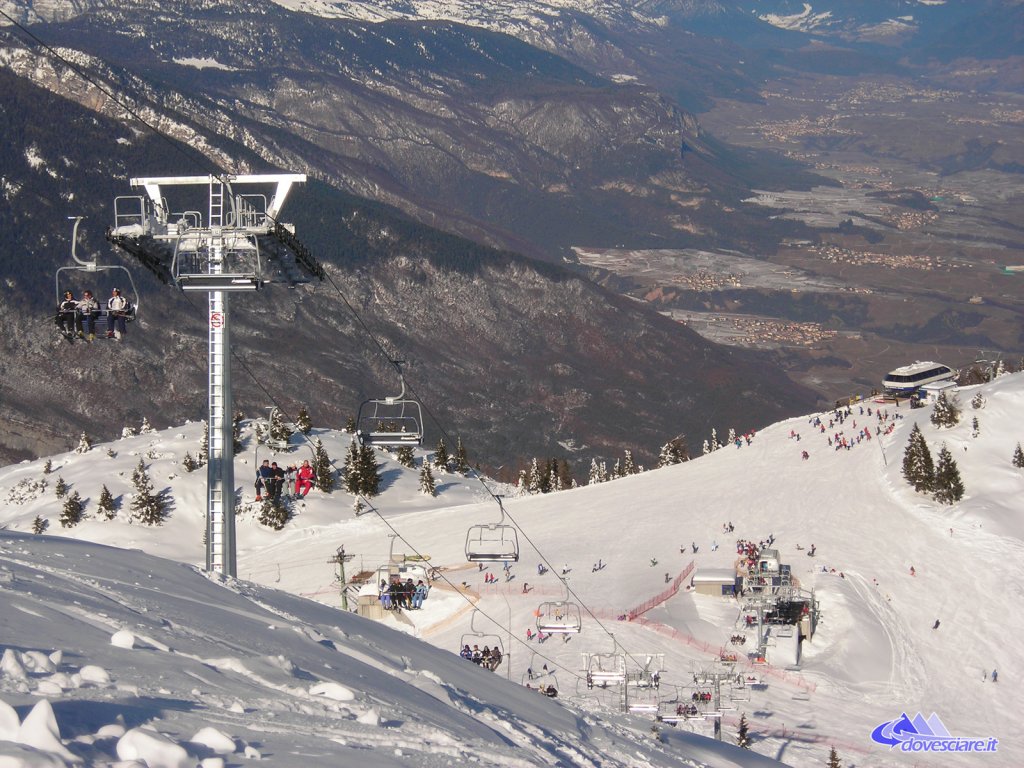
{"x": 341, "y": 568}
{"x": 220, "y": 473}
{"x": 508, "y": 654}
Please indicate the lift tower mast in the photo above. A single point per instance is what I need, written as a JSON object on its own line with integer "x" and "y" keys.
{"x": 236, "y": 244}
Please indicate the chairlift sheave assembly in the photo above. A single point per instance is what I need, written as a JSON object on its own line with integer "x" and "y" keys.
{"x": 492, "y": 542}
{"x": 390, "y": 422}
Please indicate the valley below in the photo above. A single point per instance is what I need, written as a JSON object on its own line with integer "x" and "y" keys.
{"x": 905, "y": 242}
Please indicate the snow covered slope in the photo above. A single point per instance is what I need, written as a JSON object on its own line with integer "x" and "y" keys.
{"x": 875, "y": 656}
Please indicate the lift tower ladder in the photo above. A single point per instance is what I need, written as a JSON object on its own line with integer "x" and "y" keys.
{"x": 239, "y": 247}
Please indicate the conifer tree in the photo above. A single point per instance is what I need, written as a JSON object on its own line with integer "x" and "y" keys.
{"x": 279, "y": 430}
{"x": 351, "y": 468}
{"x": 978, "y": 401}
{"x": 47, "y": 467}
{"x": 617, "y": 470}
{"x": 427, "y": 485}
{"x": 204, "y": 446}
{"x": 945, "y": 413}
{"x": 554, "y": 481}
{"x": 128, "y": 431}
{"x": 405, "y": 456}
{"x": 672, "y": 452}
{"x": 523, "y": 483}
{"x": 975, "y": 428}
{"x": 565, "y": 477}
{"x": 461, "y": 461}
{"x": 83, "y": 444}
{"x": 146, "y": 428}
{"x": 732, "y": 436}
{"x": 441, "y": 457}
{"x": 628, "y": 466}
{"x": 833, "y": 759}
{"x": 236, "y": 432}
{"x": 1018, "y": 458}
{"x": 948, "y": 486}
{"x": 61, "y": 488}
{"x": 604, "y": 471}
{"x": 544, "y": 476}
{"x": 595, "y": 473}
{"x": 707, "y": 447}
{"x": 357, "y": 506}
{"x": 350, "y": 425}
{"x": 369, "y": 472}
{"x": 146, "y": 507}
{"x": 71, "y": 515}
{"x": 303, "y": 422}
{"x": 322, "y": 467}
{"x": 918, "y": 469}
{"x": 714, "y": 439}
{"x": 533, "y": 477}
{"x": 107, "y": 505}
{"x": 274, "y": 514}
{"x": 39, "y": 525}
{"x": 742, "y": 737}
{"x": 188, "y": 463}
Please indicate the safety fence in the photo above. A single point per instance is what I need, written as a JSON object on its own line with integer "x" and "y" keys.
{"x": 660, "y": 598}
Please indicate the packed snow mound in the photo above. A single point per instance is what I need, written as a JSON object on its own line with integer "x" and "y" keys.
{"x": 314, "y": 681}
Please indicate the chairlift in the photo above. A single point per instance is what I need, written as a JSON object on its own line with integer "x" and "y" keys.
{"x": 559, "y": 617}
{"x": 492, "y": 542}
{"x": 740, "y": 693}
{"x": 390, "y": 422}
{"x": 604, "y": 669}
{"x": 268, "y": 451}
{"x": 475, "y": 639}
{"x": 101, "y": 281}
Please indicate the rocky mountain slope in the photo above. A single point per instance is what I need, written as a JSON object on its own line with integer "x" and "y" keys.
{"x": 470, "y": 130}
{"x": 518, "y": 357}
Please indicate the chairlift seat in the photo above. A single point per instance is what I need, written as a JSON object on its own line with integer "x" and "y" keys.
{"x": 492, "y": 542}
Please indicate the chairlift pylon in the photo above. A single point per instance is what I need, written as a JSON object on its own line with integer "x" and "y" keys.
{"x": 492, "y": 542}
{"x": 390, "y": 422}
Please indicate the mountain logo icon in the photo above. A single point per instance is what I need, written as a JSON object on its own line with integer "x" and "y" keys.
{"x": 920, "y": 734}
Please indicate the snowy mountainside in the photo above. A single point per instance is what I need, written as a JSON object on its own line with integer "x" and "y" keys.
{"x": 874, "y": 656}
{"x": 121, "y": 656}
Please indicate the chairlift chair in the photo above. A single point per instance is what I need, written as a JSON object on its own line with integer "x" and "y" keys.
{"x": 208, "y": 260}
{"x": 390, "y": 422}
{"x": 493, "y": 542}
{"x": 102, "y": 279}
{"x": 475, "y": 637}
{"x": 604, "y": 669}
{"x": 559, "y": 617}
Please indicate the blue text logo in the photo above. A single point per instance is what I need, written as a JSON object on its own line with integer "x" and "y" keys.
{"x": 917, "y": 734}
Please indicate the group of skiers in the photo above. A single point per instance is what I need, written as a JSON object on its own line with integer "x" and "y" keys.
{"x": 271, "y": 479}
{"x": 76, "y": 318}
{"x": 403, "y": 594}
{"x": 488, "y": 658}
